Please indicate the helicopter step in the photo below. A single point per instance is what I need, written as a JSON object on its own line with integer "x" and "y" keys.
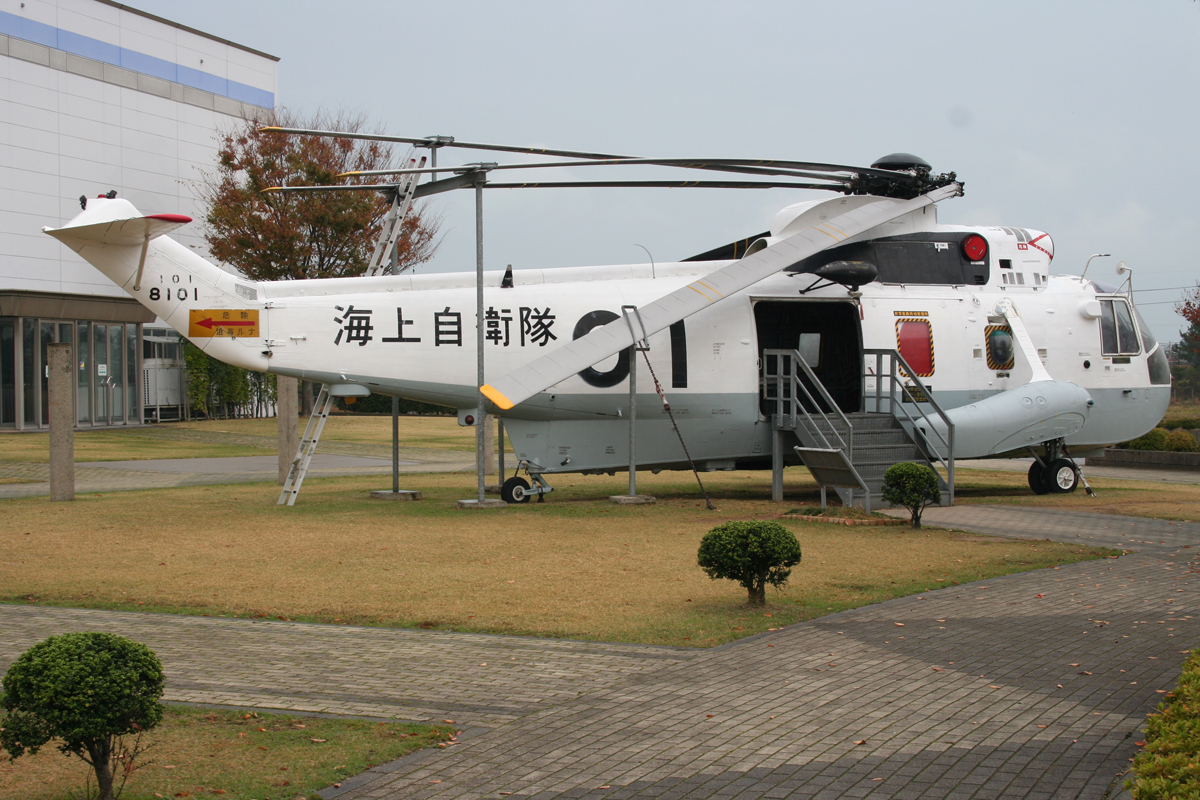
{"x": 879, "y": 441}
{"x": 872, "y": 440}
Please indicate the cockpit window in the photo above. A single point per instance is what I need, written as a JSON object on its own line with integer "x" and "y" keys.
{"x": 1118, "y": 335}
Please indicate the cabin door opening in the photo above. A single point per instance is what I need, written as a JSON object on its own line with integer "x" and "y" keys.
{"x": 828, "y": 335}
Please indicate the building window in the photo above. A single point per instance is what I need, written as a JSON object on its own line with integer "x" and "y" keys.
{"x": 8, "y": 372}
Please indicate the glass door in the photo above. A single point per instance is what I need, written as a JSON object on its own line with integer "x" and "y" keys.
{"x": 100, "y": 377}
{"x": 83, "y": 379}
{"x": 116, "y": 373}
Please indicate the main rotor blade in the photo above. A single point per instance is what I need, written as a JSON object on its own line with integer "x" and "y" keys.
{"x": 609, "y": 162}
{"x": 723, "y": 164}
{"x": 859, "y": 214}
{"x": 467, "y": 180}
{"x": 668, "y": 185}
{"x": 434, "y": 141}
{"x": 349, "y": 187}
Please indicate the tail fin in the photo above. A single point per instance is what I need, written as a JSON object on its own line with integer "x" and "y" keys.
{"x": 179, "y": 286}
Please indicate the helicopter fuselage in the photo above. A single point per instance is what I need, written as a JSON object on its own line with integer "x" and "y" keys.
{"x": 414, "y": 336}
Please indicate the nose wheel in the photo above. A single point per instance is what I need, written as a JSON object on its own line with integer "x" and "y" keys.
{"x": 1059, "y": 476}
{"x": 518, "y": 490}
{"x": 515, "y": 490}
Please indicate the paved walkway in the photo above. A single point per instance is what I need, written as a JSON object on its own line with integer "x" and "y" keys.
{"x": 1032, "y": 686}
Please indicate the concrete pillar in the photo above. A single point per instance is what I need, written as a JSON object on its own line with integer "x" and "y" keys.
{"x": 287, "y": 400}
{"x": 62, "y": 422}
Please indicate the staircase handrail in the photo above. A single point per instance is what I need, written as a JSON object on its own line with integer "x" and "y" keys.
{"x": 931, "y": 448}
{"x": 796, "y": 383}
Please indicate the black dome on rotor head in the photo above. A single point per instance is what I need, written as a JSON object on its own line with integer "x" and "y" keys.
{"x": 901, "y": 161}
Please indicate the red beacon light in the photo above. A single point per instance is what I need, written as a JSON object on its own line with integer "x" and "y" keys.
{"x": 974, "y": 247}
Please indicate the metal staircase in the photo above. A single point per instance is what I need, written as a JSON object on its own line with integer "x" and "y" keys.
{"x": 894, "y": 425}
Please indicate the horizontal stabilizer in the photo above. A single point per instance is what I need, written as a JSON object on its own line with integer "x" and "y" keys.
{"x": 130, "y": 231}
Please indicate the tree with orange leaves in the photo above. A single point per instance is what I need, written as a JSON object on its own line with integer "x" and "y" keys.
{"x": 1188, "y": 349}
{"x": 295, "y": 236}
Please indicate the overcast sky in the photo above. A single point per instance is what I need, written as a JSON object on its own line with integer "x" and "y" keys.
{"x": 1075, "y": 118}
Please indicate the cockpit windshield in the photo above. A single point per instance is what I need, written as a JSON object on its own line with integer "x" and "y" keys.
{"x": 1118, "y": 335}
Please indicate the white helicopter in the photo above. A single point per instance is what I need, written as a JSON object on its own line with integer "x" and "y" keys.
{"x": 857, "y": 325}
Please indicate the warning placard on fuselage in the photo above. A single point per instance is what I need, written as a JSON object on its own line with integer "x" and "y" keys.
{"x": 222, "y": 322}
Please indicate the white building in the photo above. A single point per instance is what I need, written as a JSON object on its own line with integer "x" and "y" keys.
{"x": 96, "y": 96}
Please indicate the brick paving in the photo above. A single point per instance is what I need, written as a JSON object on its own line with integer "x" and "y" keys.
{"x": 1033, "y": 686}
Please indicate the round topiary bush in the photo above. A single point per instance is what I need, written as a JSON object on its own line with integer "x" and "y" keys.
{"x": 1153, "y": 440}
{"x": 913, "y": 486}
{"x": 1180, "y": 441}
{"x": 754, "y": 554}
{"x": 86, "y": 690}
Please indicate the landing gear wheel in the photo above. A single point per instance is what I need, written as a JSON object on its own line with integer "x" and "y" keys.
{"x": 515, "y": 490}
{"x": 1061, "y": 477}
{"x": 1037, "y": 478}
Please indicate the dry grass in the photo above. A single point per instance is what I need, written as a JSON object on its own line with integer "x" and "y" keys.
{"x": 118, "y": 445}
{"x": 575, "y": 566}
{"x": 229, "y": 754}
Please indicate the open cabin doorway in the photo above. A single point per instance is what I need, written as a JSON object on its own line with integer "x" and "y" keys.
{"x": 828, "y": 335}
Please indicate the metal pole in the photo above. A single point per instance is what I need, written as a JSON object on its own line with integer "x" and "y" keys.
{"x": 500, "y": 437}
{"x": 632, "y": 420}
{"x": 480, "y": 462}
{"x": 396, "y": 445}
{"x": 396, "y": 400}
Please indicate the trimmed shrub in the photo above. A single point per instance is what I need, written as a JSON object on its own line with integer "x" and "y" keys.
{"x": 913, "y": 486}
{"x": 1168, "y": 767}
{"x": 86, "y": 690}
{"x": 1180, "y": 441}
{"x": 1153, "y": 440}
{"x": 754, "y": 554}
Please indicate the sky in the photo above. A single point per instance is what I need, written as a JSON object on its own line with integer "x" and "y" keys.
{"x": 1075, "y": 118}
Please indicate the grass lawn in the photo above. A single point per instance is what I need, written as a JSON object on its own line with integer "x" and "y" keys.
{"x": 576, "y": 566}
{"x": 236, "y": 437}
{"x": 1156, "y": 499}
{"x": 443, "y": 433}
{"x": 235, "y": 755}
{"x": 1181, "y": 415}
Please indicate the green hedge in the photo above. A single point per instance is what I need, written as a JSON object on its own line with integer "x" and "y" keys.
{"x": 1177, "y": 440}
{"x": 1168, "y": 767}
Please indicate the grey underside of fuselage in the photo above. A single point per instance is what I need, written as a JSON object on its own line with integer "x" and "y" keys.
{"x": 589, "y": 432}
